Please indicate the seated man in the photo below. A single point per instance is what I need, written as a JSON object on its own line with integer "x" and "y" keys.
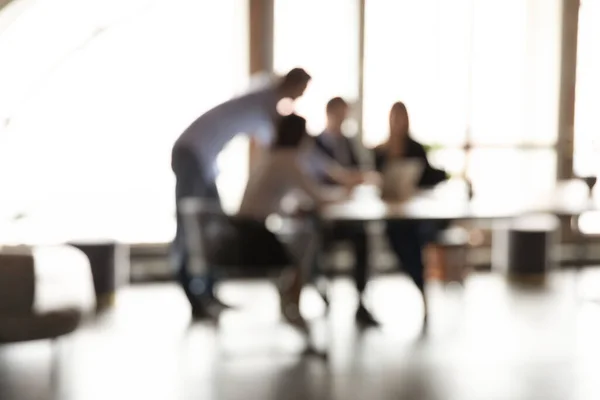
{"x": 277, "y": 174}
{"x": 337, "y": 147}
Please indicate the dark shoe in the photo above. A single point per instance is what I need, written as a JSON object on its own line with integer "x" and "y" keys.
{"x": 364, "y": 318}
{"x": 321, "y": 288}
{"x": 216, "y": 302}
{"x": 200, "y": 313}
{"x": 325, "y": 299}
{"x": 207, "y": 309}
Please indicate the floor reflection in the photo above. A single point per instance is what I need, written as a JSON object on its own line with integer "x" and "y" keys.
{"x": 487, "y": 340}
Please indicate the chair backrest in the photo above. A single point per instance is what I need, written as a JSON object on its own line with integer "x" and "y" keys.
{"x": 209, "y": 234}
{"x": 244, "y": 247}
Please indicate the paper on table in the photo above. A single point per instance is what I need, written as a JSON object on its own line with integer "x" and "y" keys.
{"x": 400, "y": 179}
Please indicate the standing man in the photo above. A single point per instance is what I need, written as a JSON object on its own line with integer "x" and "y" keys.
{"x": 194, "y": 158}
{"x": 339, "y": 149}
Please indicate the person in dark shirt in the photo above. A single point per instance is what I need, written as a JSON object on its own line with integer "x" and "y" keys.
{"x": 408, "y": 238}
{"x": 401, "y": 145}
{"x": 340, "y": 149}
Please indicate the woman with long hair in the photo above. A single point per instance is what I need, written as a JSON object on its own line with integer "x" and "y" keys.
{"x": 408, "y": 238}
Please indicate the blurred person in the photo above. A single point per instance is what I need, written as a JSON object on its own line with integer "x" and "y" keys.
{"x": 279, "y": 173}
{"x": 194, "y": 158}
{"x": 339, "y": 148}
{"x": 408, "y": 238}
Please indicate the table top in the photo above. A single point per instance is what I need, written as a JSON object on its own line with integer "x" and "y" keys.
{"x": 447, "y": 202}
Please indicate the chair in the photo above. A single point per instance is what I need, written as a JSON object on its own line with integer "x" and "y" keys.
{"x": 214, "y": 240}
{"x": 447, "y": 256}
{"x": 235, "y": 247}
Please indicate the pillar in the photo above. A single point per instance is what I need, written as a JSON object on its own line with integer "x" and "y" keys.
{"x": 568, "y": 77}
{"x": 260, "y": 47}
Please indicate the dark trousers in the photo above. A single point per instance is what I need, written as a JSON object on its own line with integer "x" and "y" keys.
{"x": 357, "y": 238}
{"x": 190, "y": 182}
{"x": 407, "y": 240}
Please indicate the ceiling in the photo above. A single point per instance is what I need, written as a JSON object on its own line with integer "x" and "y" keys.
{"x": 4, "y": 2}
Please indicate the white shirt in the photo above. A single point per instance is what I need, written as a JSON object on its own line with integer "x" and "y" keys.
{"x": 252, "y": 113}
{"x": 277, "y": 174}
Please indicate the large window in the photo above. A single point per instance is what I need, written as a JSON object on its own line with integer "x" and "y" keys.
{"x": 321, "y": 36}
{"x": 467, "y": 78}
{"x": 587, "y": 117}
{"x": 417, "y": 52}
{"x": 94, "y": 92}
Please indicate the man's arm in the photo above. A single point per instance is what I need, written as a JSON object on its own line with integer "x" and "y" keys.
{"x": 303, "y": 181}
{"x": 343, "y": 176}
{"x": 321, "y": 164}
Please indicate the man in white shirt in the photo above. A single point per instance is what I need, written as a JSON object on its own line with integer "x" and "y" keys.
{"x": 194, "y": 158}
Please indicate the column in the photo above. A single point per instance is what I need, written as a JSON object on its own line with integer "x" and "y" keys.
{"x": 261, "y": 47}
{"x": 261, "y": 35}
{"x": 568, "y": 77}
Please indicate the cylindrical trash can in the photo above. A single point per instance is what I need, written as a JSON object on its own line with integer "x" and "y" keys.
{"x": 531, "y": 246}
{"x": 109, "y": 262}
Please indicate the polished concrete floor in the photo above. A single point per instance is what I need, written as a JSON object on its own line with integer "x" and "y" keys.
{"x": 489, "y": 340}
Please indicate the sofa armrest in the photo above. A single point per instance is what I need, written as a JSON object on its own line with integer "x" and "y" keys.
{"x": 17, "y": 280}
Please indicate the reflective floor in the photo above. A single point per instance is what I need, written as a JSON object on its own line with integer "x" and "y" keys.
{"x": 488, "y": 340}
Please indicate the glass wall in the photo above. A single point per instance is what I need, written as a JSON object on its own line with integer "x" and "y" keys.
{"x": 321, "y": 36}
{"x": 468, "y": 78}
{"x": 417, "y": 52}
{"x": 587, "y": 117}
{"x": 94, "y": 92}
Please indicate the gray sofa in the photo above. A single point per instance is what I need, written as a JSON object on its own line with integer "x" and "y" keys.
{"x": 44, "y": 292}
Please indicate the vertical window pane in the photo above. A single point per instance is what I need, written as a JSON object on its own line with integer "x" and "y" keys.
{"x": 498, "y": 71}
{"x": 322, "y": 37}
{"x": 542, "y": 71}
{"x": 499, "y": 172}
{"x": 587, "y": 117}
{"x": 99, "y": 90}
{"x": 515, "y": 71}
{"x": 417, "y": 52}
{"x": 453, "y": 161}
{"x": 457, "y": 66}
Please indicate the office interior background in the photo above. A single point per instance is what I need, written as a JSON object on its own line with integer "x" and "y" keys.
{"x": 89, "y": 110}
{"x": 504, "y": 93}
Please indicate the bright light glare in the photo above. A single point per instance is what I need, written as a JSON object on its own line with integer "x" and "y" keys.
{"x": 285, "y": 106}
{"x": 587, "y": 117}
{"x": 456, "y": 66}
{"x": 322, "y": 37}
{"x": 97, "y": 91}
